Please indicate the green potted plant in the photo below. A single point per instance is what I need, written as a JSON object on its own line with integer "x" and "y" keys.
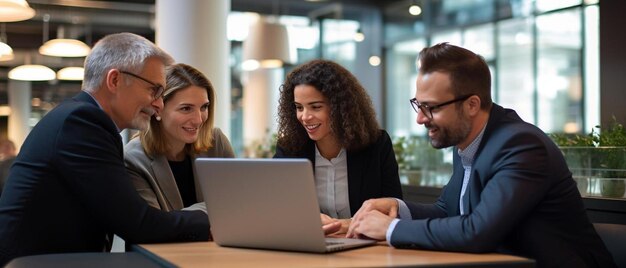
{"x": 263, "y": 148}
{"x": 418, "y": 161}
{"x": 598, "y": 157}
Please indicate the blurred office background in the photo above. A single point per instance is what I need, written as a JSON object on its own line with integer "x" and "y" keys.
{"x": 545, "y": 55}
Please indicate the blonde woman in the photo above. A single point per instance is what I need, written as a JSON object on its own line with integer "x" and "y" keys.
{"x": 160, "y": 160}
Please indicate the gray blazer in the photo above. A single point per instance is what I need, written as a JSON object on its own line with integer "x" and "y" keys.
{"x": 153, "y": 178}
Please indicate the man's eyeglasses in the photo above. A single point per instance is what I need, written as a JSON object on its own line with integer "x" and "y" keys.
{"x": 428, "y": 110}
{"x": 157, "y": 90}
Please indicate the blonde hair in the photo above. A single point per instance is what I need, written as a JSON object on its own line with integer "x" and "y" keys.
{"x": 181, "y": 76}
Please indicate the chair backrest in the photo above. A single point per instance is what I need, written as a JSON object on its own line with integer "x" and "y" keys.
{"x": 614, "y": 237}
{"x": 86, "y": 259}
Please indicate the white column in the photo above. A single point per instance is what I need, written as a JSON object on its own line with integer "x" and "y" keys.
{"x": 19, "y": 101}
{"x": 260, "y": 105}
{"x": 194, "y": 32}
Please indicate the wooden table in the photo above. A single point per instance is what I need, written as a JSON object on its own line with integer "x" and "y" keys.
{"x": 209, "y": 254}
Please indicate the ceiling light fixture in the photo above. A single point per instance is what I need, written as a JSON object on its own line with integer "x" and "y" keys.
{"x": 6, "y": 52}
{"x": 62, "y": 47}
{"x": 267, "y": 46}
{"x": 374, "y": 60}
{"x": 15, "y": 10}
{"x": 414, "y": 9}
{"x": 359, "y": 36}
{"x": 32, "y": 72}
{"x": 71, "y": 73}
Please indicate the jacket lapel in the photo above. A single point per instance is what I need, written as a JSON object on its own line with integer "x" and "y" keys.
{"x": 454, "y": 185}
{"x": 165, "y": 179}
{"x": 475, "y": 187}
{"x": 356, "y": 164}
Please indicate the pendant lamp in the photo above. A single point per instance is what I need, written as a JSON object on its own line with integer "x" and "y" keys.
{"x": 267, "y": 46}
{"x": 71, "y": 73}
{"x": 62, "y": 47}
{"x": 6, "y": 52}
{"x": 31, "y": 72}
{"x": 15, "y": 10}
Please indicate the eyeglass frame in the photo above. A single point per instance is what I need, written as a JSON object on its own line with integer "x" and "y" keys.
{"x": 157, "y": 90}
{"x": 427, "y": 109}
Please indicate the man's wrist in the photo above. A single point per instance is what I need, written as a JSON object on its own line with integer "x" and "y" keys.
{"x": 390, "y": 229}
{"x": 403, "y": 210}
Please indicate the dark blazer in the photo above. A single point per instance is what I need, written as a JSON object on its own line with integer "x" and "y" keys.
{"x": 5, "y": 165}
{"x": 521, "y": 199}
{"x": 372, "y": 171}
{"x": 68, "y": 188}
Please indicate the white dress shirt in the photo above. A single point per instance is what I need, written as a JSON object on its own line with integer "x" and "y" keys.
{"x": 331, "y": 181}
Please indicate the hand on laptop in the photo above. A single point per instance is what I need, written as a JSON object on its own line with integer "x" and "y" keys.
{"x": 372, "y": 224}
{"x": 332, "y": 226}
{"x": 373, "y": 215}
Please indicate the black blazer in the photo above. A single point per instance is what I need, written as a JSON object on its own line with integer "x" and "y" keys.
{"x": 372, "y": 171}
{"x": 68, "y": 188}
{"x": 521, "y": 199}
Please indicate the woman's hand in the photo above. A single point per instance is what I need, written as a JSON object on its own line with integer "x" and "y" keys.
{"x": 332, "y": 226}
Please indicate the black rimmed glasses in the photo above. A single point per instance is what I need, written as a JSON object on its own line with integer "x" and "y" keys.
{"x": 428, "y": 110}
{"x": 157, "y": 90}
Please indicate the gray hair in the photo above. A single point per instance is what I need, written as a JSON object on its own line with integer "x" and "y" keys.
{"x": 125, "y": 51}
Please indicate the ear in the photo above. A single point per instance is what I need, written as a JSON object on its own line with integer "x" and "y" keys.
{"x": 473, "y": 104}
{"x": 113, "y": 80}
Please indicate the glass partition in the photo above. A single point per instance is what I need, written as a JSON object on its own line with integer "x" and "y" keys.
{"x": 515, "y": 83}
{"x": 559, "y": 87}
{"x": 543, "y": 55}
{"x": 400, "y": 118}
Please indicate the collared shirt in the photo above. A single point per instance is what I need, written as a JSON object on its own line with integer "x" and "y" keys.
{"x": 331, "y": 181}
{"x": 467, "y": 159}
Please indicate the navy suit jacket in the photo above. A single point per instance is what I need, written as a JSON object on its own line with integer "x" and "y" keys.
{"x": 521, "y": 199}
{"x": 372, "y": 171}
{"x": 68, "y": 189}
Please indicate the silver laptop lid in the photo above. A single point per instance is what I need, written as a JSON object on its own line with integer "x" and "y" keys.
{"x": 262, "y": 203}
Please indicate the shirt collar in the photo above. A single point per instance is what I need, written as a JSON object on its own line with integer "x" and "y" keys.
{"x": 467, "y": 155}
{"x": 322, "y": 161}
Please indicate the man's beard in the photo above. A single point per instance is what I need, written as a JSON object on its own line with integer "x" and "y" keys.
{"x": 139, "y": 122}
{"x": 453, "y": 135}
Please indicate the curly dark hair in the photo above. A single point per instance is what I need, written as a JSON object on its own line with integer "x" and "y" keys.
{"x": 352, "y": 116}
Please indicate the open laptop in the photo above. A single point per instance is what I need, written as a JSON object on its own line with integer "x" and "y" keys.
{"x": 265, "y": 203}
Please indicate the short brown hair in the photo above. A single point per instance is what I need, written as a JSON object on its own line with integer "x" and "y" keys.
{"x": 353, "y": 120}
{"x": 469, "y": 73}
{"x": 180, "y": 76}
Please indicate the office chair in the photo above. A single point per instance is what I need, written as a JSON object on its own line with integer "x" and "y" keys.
{"x": 614, "y": 237}
{"x": 86, "y": 259}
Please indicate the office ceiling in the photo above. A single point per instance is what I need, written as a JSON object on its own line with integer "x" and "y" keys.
{"x": 90, "y": 20}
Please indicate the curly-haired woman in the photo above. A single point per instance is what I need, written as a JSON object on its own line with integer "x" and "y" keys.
{"x": 325, "y": 115}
